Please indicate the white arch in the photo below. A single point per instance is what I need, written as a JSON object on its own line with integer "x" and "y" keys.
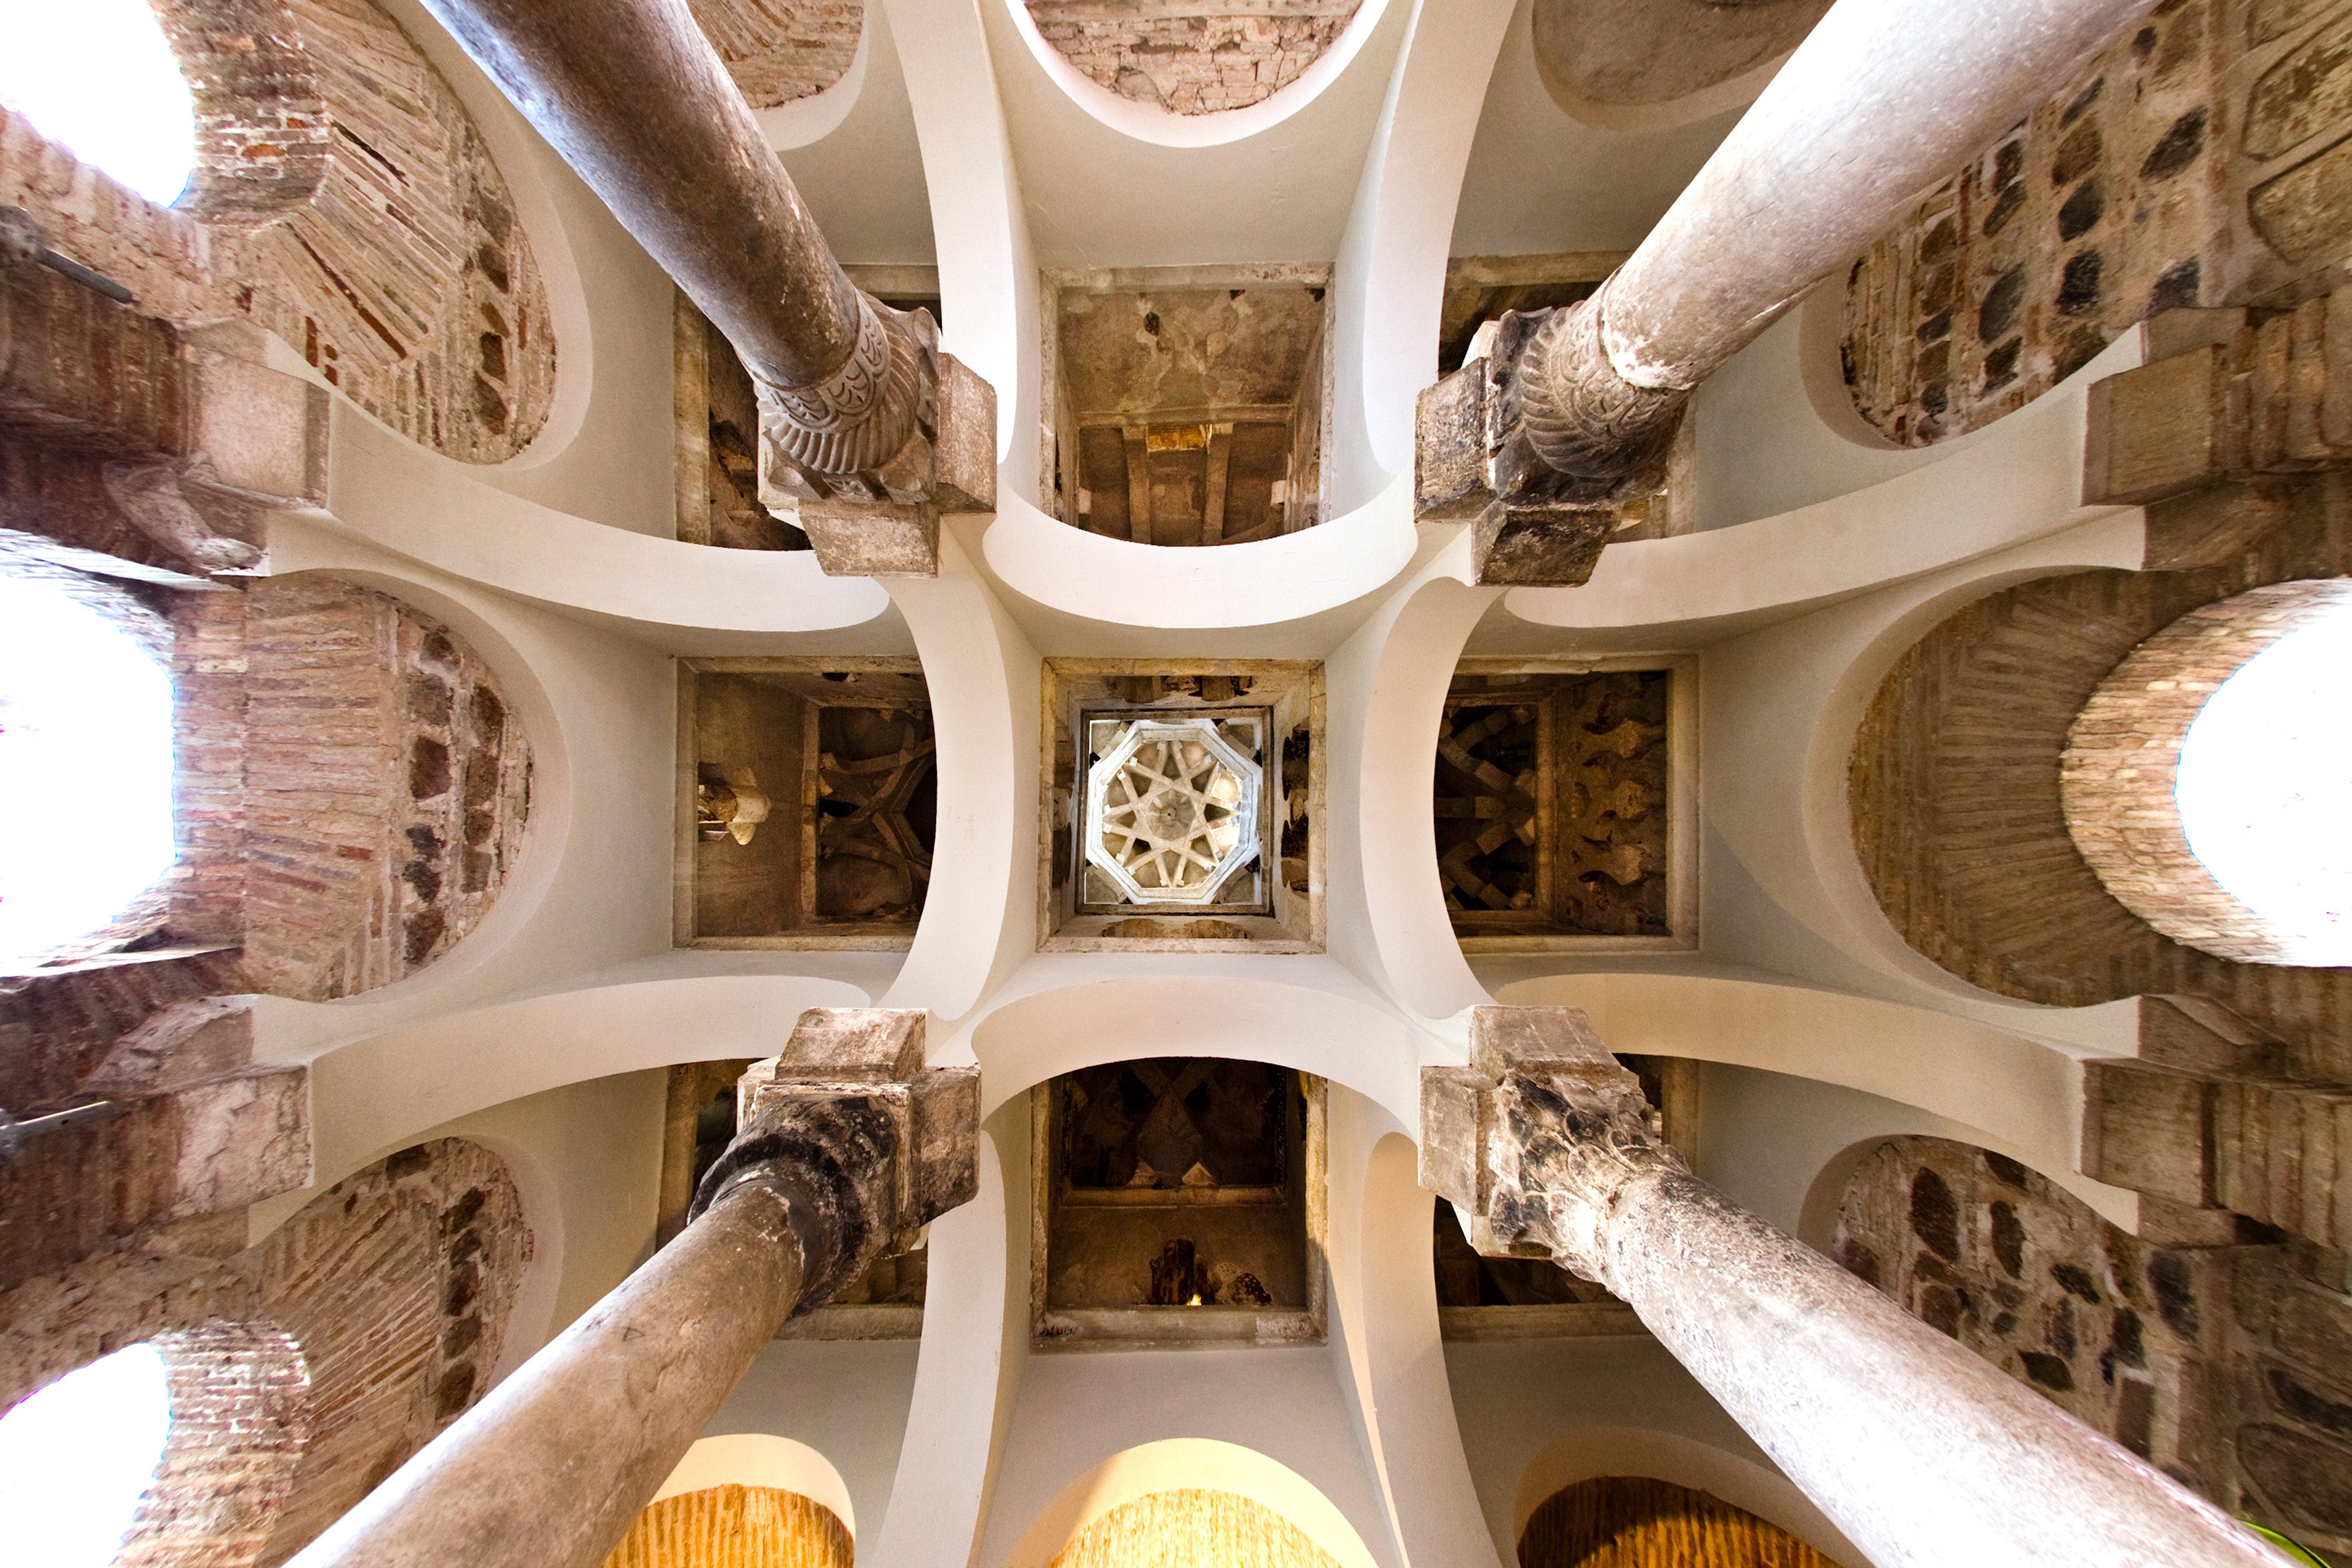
{"x": 1189, "y": 1463}
{"x": 1595, "y": 1451}
{"x": 761, "y": 1459}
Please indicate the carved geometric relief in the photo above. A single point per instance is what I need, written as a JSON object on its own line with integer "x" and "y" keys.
{"x": 1551, "y": 804}
{"x": 808, "y": 801}
{"x": 1172, "y": 808}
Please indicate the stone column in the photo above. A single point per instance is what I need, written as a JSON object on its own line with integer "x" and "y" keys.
{"x": 1573, "y": 409}
{"x": 850, "y": 1147}
{"x": 1924, "y": 1454}
{"x": 853, "y": 395}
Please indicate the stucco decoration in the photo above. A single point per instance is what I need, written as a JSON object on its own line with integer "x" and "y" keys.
{"x": 1624, "y": 53}
{"x": 2123, "y": 762}
{"x": 1193, "y": 59}
{"x": 1173, "y": 808}
{"x": 778, "y": 50}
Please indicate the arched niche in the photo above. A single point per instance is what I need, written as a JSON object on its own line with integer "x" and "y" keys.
{"x": 1564, "y": 1481}
{"x": 747, "y": 1500}
{"x": 1612, "y": 1520}
{"x": 1189, "y": 1494}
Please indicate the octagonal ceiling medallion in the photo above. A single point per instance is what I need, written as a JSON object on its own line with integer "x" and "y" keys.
{"x": 1172, "y": 811}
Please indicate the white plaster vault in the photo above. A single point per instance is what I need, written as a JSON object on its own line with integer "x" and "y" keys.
{"x": 953, "y": 143}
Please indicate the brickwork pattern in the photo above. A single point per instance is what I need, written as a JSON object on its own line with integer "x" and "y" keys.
{"x": 1953, "y": 781}
{"x": 345, "y": 200}
{"x": 2193, "y": 162}
{"x": 396, "y": 1285}
{"x": 1192, "y": 59}
{"x": 240, "y": 1403}
{"x": 2123, "y": 757}
{"x": 779, "y": 51}
{"x": 386, "y": 787}
{"x": 2220, "y": 1364}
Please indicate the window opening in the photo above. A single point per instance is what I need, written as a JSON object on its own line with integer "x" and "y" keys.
{"x": 85, "y": 766}
{"x": 100, "y": 77}
{"x": 76, "y": 1457}
{"x": 2265, "y": 788}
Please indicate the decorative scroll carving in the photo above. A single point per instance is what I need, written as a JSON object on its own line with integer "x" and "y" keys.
{"x": 864, "y": 432}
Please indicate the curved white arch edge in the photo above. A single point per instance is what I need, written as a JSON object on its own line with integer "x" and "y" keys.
{"x": 1164, "y": 128}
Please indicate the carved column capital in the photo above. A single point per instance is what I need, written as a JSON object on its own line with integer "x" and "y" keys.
{"x": 1540, "y": 1138}
{"x": 864, "y": 1144}
{"x": 864, "y": 432}
{"x": 1564, "y": 424}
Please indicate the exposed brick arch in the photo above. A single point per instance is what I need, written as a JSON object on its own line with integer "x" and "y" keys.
{"x": 1953, "y": 789}
{"x": 345, "y": 200}
{"x": 240, "y": 1415}
{"x": 1194, "y": 59}
{"x": 397, "y": 1286}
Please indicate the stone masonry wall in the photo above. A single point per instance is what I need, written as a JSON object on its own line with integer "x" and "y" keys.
{"x": 395, "y": 1285}
{"x": 2222, "y": 1365}
{"x": 346, "y": 201}
{"x": 386, "y": 787}
{"x": 2199, "y": 160}
{"x": 1193, "y": 59}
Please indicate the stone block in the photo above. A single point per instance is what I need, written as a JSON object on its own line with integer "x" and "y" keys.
{"x": 2148, "y": 1128}
{"x": 1451, "y": 1145}
{"x": 2196, "y": 1035}
{"x": 1538, "y": 546}
{"x": 2158, "y": 430}
{"x": 964, "y": 459}
{"x": 258, "y": 433}
{"x": 242, "y": 1137}
{"x": 873, "y": 539}
{"x": 1449, "y": 469}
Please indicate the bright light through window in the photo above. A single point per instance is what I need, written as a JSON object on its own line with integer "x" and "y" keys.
{"x": 76, "y": 1457}
{"x": 84, "y": 768}
{"x": 2265, "y": 788}
{"x": 100, "y": 77}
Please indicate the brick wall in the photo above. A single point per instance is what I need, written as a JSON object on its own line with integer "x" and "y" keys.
{"x": 2193, "y": 161}
{"x": 240, "y": 1404}
{"x": 778, "y": 50}
{"x": 1953, "y": 784}
{"x": 345, "y": 200}
{"x": 387, "y": 786}
{"x": 2220, "y": 1364}
{"x": 2123, "y": 756}
{"x": 395, "y": 1285}
{"x": 1192, "y": 59}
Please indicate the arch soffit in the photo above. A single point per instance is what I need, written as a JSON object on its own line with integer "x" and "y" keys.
{"x": 1592, "y": 1452}
{"x": 1163, "y": 127}
{"x": 1270, "y": 582}
{"x": 2020, "y": 1097}
{"x": 1349, "y": 1041}
{"x": 1187, "y": 1463}
{"x": 761, "y": 1459}
{"x": 805, "y": 121}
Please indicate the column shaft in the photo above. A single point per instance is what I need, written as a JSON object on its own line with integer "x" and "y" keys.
{"x": 637, "y": 101}
{"x": 1925, "y": 1454}
{"x": 552, "y": 1467}
{"x": 1883, "y": 100}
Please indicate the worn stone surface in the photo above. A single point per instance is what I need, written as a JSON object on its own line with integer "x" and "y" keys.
{"x": 849, "y": 1145}
{"x": 1918, "y": 1451}
{"x": 1594, "y": 53}
{"x": 2122, "y": 760}
{"x": 1193, "y": 57}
